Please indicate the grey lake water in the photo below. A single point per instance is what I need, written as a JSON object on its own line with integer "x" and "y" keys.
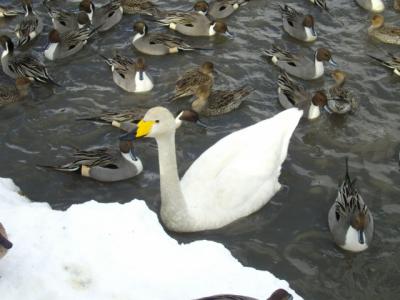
{"x": 289, "y": 236}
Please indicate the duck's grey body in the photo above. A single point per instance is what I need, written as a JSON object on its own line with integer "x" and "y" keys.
{"x": 220, "y": 9}
{"x": 300, "y": 66}
{"x": 5, "y": 244}
{"x": 121, "y": 116}
{"x": 106, "y": 165}
{"x": 123, "y": 71}
{"x": 107, "y": 16}
{"x": 62, "y": 20}
{"x": 23, "y": 64}
{"x": 187, "y": 23}
{"x": 393, "y": 62}
{"x": 154, "y": 43}
{"x": 70, "y": 43}
{"x": 160, "y": 44}
{"x": 291, "y": 94}
{"x": 342, "y": 217}
{"x": 294, "y": 24}
{"x": 29, "y": 27}
{"x": 128, "y": 76}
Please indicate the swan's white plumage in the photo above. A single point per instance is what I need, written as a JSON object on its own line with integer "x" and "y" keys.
{"x": 239, "y": 174}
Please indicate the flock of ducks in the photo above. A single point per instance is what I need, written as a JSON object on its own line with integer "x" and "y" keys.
{"x": 223, "y": 184}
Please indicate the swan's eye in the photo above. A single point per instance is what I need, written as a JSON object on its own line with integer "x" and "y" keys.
{"x": 157, "y": 121}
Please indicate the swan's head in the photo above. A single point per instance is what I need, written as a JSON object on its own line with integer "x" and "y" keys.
{"x": 159, "y": 121}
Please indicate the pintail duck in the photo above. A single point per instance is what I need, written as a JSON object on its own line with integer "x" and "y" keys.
{"x": 321, "y": 4}
{"x": 279, "y": 294}
{"x": 142, "y": 7}
{"x": 242, "y": 180}
{"x": 105, "y": 17}
{"x": 393, "y": 62}
{"x": 64, "y": 21}
{"x": 300, "y": 66}
{"x": 155, "y": 43}
{"x": 6, "y": 11}
{"x": 385, "y": 34}
{"x": 214, "y": 103}
{"x": 127, "y": 120}
{"x": 189, "y": 82}
{"x": 65, "y": 44}
{"x": 220, "y": 9}
{"x": 193, "y": 23}
{"x": 349, "y": 218}
{"x": 298, "y": 25}
{"x": 104, "y": 164}
{"x": 12, "y": 94}
{"x": 129, "y": 75}
{"x": 376, "y": 6}
{"x": 30, "y": 26}
{"x": 292, "y": 95}
{"x": 22, "y": 65}
{"x": 340, "y": 99}
{"x": 5, "y": 244}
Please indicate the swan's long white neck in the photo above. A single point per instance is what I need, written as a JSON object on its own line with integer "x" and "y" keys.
{"x": 174, "y": 212}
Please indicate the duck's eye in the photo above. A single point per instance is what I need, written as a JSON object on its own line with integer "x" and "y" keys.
{"x": 157, "y": 121}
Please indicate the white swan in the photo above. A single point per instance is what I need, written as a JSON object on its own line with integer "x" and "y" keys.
{"x": 232, "y": 179}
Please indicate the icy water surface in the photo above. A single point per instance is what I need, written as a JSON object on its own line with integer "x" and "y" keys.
{"x": 289, "y": 236}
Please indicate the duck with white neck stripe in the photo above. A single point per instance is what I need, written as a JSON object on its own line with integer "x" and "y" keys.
{"x": 293, "y": 95}
{"x": 129, "y": 75}
{"x": 193, "y": 23}
{"x": 158, "y": 43}
{"x": 298, "y": 25}
{"x": 65, "y": 44}
{"x": 104, "y": 164}
{"x": 30, "y": 26}
{"x": 104, "y": 17}
{"x": 64, "y": 21}
{"x": 22, "y": 64}
{"x": 350, "y": 221}
{"x": 298, "y": 65}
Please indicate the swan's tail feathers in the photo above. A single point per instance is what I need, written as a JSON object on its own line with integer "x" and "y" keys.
{"x": 292, "y": 117}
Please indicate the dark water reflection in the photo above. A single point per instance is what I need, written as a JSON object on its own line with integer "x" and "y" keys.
{"x": 289, "y": 236}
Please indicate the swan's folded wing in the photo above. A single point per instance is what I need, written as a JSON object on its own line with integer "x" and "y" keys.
{"x": 241, "y": 170}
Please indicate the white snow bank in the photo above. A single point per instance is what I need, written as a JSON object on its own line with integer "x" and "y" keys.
{"x": 112, "y": 251}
